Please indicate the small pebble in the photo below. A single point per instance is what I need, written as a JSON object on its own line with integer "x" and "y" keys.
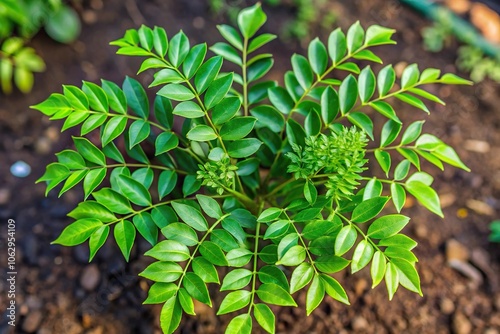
{"x": 20, "y": 169}
{"x": 480, "y": 207}
{"x": 447, "y": 306}
{"x": 90, "y": 277}
{"x": 478, "y": 146}
{"x": 467, "y": 270}
{"x": 359, "y": 323}
{"x": 32, "y": 321}
{"x": 4, "y": 196}
{"x": 456, "y": 251}
{"x": 43, "y": 146}
{"x": 461, "y": 325}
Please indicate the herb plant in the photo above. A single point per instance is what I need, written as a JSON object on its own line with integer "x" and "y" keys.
{"x": 269, "y": 181}
{"x": 20, "y": 20}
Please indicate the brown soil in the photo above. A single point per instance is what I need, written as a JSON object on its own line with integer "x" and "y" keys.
{"x": 59, "y": 292}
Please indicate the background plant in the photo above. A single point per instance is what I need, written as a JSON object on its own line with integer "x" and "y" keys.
{"x": 269, "y": 181}
{"x": 20, "y": 20}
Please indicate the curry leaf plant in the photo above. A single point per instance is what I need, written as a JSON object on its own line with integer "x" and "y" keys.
{"x": 269, "y": 181}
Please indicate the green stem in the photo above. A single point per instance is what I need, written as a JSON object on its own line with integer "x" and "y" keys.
{"x": 244, "y": 76}
{"x": 309, "y": 256}
{"x": 255, "y": 263}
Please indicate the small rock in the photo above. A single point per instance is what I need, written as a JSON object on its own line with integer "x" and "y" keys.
{"x": 359, "y": 323}
{"x": 32, "y": 321}
{"x": 421, "y": 231}
{"x": 52, "y": 134}
{"x": 461, "y": 325}
{"x": 43, "y": 145}
{"x": 456, "y": 251}
{"x": 467, "y": 270}
{"x": 478, "y": 146}
{"x": 90, "y": 277}
{"x": 20, "y": 169}
{"x": 360, "y": 286}
{"x": 447, "y": 306}
{"x": 491, "y": 331}
{"x": 447, "y": 200}
{"x": 480, "y": 207}
{"x": 4, "y": 196}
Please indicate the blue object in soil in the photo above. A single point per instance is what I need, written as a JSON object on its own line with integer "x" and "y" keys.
{"x": 20, "y": 169}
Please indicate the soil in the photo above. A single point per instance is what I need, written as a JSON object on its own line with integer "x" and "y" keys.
{"x": 58, "y": 291}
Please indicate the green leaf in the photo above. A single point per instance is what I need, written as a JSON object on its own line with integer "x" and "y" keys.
{"x": 243, "y": 148}
{"x": 71, "y": 159}
{"x": 166, "y": 141}
{"x": 318, "y": 56}
{"x": 426, "y": 196}
{"x": 312, "y": 123}
{"x": 166, "y": 183}
{"x": 330, "y": 264}
{"x": 265, "y": 317}
{"x": 73, "y": 180}
{"x": 114, "y": 127}
{"x": 367, "y": 55}
{"x": 273, "y": 274}
{"x": 274, "y": 294}
{"x": 227, "y": 52}
{"x": 366, "y": 84}
{"x": 231, "y": 35}
{"x": 387, "y": 226}
{"x": 205, "y": 270}
{"x": 362, "y": 121}
{"x": 348, "y": 93}
{"x": 398, "y": 195}
{"x": 429, "y": 75}
{"x": 209, "y": 206}
{"x": 186, "y": 301}
{"x": 97, "y": 239}
{"x": 372, "y": 189}
{"x": 295, "y": 132}
{"x": 191, "y": 185}
{"x": 189, "y": 109}
{"x": 310, "y": 192}
{"x": 258, "y": 68}
{"x": 390, "y": 132}
{"x": 269, "y": 117}
{"x": 447, "y": 154}
{"x": 89, "y": 151}
{"x": 166, "y": 76}
{"x": 269, "y": 214}
{"x": 201, "y": 133}
{"x": 315, "y": 294}
{"x": 241, "y": 324}
{"x": 293, "y": 256}
{"x": 146, "y": 227}
{"x": 378, "y": 268}
{"x": 413, "y": 101}
{"x": 225, "y": 110}
{"x": 171, "y": 315}
{"x": 410, "y": 76}
{"x": 260, "y": 41}
{"x": 408, "y": 275}
{"x": 194, "y": 59}
{"x": 237, "y": 128}
{"x": 280, "y": 99}
{"x": 301, "y": 276}
{"x": 412, "y": 132}
{"x": 138, "y": 132}
{"x": 362, "y": 256}
{"x": 250, "y": 20}
{"x": 318, "y": 228}
{"x": 218, "y": 90}
{"x": 399, "y": 240}
{"x": 355, "y": 36}
{"x": 160, "y": 292}
{"x": 385, "y": 109}
{"x": 116, "y": 97}
{"x": 134, "y": 191}
{"x": 62, "y": 24}
{"x": 369, "y": 209}
{"x": 78, "y": 231}
{"x": 52, "y": 105}
{"x": 345, "y": 240}
{"x": 386, "y": 79}
{"x": 384, "y": 160}
{"x": 207, "y": 73}
{"x": 426, "y": 95}
{"x": 334, "y": 289}
{"x": 93, "y": 122}
{"x": 97, "y": 97}
{"x": 92, "y": 180}
{"x": 396, "y": 252}
{"x": 191, "y": 216}
{"x": 377, "y": 35}
{"x": 136, "y": 97}
{"x": 234, "y": 301}
{"x": 162, "y": 272}
{"x": 145, "y": 37}
{"x": 402, "y": 170}
{"x": 181, "y": 233}
{"x": 179, "y": 49}
{"x": 337, "y": 45}
{"x": 452, "y": 79}
{"x": 169, "y": 250}
{"x": 213, "y": 253}
{"x": 92, "y": 209}
{"x": 124, "y": 233}
{"x": 391, "y": 279}
{"x": 176, "y": 92}
{"x": 76, "y": 97}
{"x": 303, "y": 71}
{"x": 160, "y": 41}
{"x": 196, "y": 288}
{"x": 236, "y": 279}
{"x": 238, "y": 257}
{"x": 329, "y": 105}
